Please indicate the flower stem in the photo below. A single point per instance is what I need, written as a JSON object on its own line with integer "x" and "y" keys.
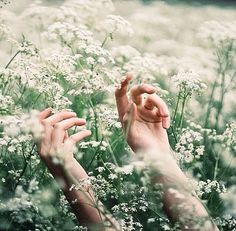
{"x": 8, "y": 64}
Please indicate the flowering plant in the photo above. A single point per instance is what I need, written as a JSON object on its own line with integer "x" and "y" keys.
{"x": 71, "y": 56}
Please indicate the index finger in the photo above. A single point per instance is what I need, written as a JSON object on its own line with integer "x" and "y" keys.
{"x": 137, "y": 91}
{"x": 59, "y": 117}
{"x": 44, "y": 114}
{"x": 122, "y": 100}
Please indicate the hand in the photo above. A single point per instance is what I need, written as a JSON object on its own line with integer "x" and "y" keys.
{"x": 144, "y": 120}
{"x": 56, "y": 140}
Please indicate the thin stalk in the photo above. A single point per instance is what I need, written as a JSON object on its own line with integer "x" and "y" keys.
{"x": 182, "y": 112}
{"x": 95, "y": 154}
{"x": 210, "y": 104}
{"x": 25, "y": 167}
{"x": 177, "y": 105}
{"x": 220, "y": 107}
{"x": 216, "y": 167}
{"x": 8, "y": 64}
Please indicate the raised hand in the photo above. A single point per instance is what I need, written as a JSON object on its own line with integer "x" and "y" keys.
{"x": 144, "y": 120}
{"x": 56, "y": 140}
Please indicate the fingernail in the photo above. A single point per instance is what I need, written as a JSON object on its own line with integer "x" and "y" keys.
{"x": 151, "y": 88}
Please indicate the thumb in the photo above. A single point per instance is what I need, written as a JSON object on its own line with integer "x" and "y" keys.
{"x": 129, "y": 117}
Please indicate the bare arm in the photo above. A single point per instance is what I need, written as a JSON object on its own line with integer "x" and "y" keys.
{"x": 145, "y": 122}
{"x": 56, "y": 143}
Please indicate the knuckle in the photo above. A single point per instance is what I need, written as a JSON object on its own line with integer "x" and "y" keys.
{"x": 45, "y": 122}
{"x": 58, "y": 126}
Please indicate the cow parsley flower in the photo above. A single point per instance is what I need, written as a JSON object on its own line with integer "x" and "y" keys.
{"x": 94, "y": 144}
{"x": 122, "y": 54}
{"x": 189, "y": 146}
{"x": 204, "y": 188}
{"x": 6, "y": 102}
{"x": 25, "y": 124}
{"x": 189, "y": 81}
{"x": 108, "y": 117}
{"x": 67, "y": 33}
{"x": 229, "y": 136}
{"x": 144, "y": 68}
{"x": 117, "y": 24}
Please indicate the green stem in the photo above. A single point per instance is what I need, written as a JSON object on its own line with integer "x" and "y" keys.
{"x": 210, "y": 104}
{"x": 182, "y": 112}
{"x": 177, "y": 105}
{"x": 8, "y": 64}
{"x": 220, "y": 106}
{"x": 216, "y": 167}
{"x": 95, "y": 154}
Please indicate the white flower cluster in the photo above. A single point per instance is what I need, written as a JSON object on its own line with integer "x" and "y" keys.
{"x": 217, "y": 31}
{"x": 94, "y": 144}
{"x": 26, "y": 124}
{"x": 94, "y": 52}
{"x": 130, "y": 224}
{"x": 6, "y": 103}
{"x": 204, "y": 188}
{"x": 68, "y": 33}
{"x": 123, "y": 54}
{"x": 108, "y": 117}
{"x": 188, "y": 81}
{"x": 21, "y": 200}
{"x": 117, "y": 24}
{"x": 61, "y": 64}
{"x": 144, "y": 68}
{"x": 5, "y": 2}
{"x": 229, "y": 136}
{"x": 89, "y": 11}
{"x": 189, "y": 146}
{"x": 227, "y": 221}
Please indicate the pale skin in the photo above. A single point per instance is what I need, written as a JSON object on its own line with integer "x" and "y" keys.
{"x": 140, "y": 118}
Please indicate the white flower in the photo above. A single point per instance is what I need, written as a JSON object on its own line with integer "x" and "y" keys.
{"x": 189, "y": 146}
{"x": 116, "y": 23}
{"x": 66, "y": 32}
{"x": 123, "y": 54}
{"x": 6, "y": 103}
{"x": 26, "y": 124}
{"x": 143, "y": 68}
{"x": 204, "y": 188}
{"x": 189, "y": 80}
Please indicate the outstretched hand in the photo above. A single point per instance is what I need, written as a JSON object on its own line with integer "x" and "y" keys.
{"x": 144, "y": 120}
{"x": 56, "y": 140}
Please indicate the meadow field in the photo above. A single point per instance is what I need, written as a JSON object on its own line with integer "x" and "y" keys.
{"x": 71, "y": 55}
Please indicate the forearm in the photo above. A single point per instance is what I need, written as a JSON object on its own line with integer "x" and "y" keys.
{"x": 179, "y": 200}
{"x": 80, "y": 198}
{"x": 89, "y": 211}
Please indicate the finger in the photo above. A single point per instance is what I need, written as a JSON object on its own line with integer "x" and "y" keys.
{"x": 59, "y": 131}
{"x": 59, "y": 117}
{"x": 129, "y": 117}
{"x": 80, "y": 135}
{"x": 45, "y": 143}
{"x": 162, "y": 109}
{"x": 122, "y": 100}
{"x": 66, "y": 135}
{"x": 138, "y": 90}
{"x": 44, "y": 114}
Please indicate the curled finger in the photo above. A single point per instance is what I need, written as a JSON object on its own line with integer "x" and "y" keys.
{"x": 79, "y": 136}
{"x": 137, "y": 91}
